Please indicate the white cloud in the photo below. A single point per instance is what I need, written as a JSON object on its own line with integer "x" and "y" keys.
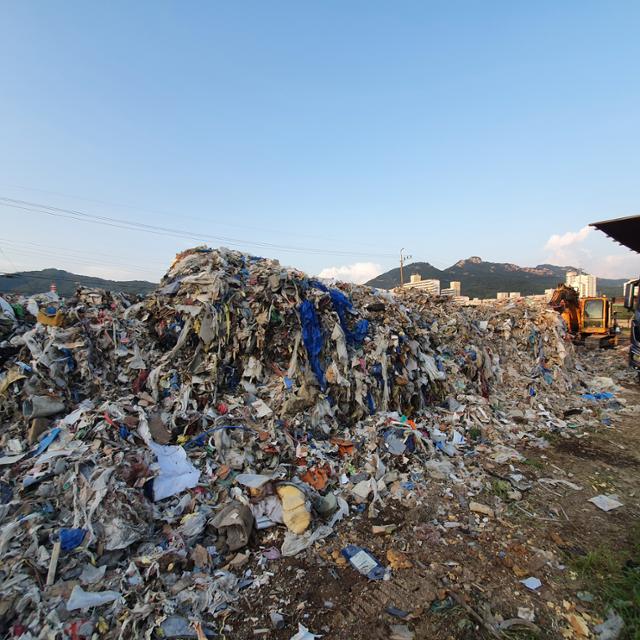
{"x": 595, "y": 253}
{"x": 557, "y": 241}
{"x": 622, "y": 265}
{"x": 359, "y": 272}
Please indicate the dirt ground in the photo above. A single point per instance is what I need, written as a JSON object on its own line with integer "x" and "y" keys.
{"x": 460, "y": 582}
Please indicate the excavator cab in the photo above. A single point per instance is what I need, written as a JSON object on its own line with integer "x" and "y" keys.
{"x": 590, "y": 321}
{"x": 594, "y": 314}
{"x": 598, "y": 326}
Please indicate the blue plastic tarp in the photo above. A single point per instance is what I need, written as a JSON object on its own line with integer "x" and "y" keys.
{"x": 603, "y": 395}
{"x": 312, "y": 338}
{"x": 342, "y": 306}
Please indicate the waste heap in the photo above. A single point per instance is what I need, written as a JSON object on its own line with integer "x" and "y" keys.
{"x": 145, "y": 447}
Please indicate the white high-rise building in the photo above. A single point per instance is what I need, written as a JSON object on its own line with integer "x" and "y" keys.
{"x": 430, "y": 286}
{"x": 584, "y": 283}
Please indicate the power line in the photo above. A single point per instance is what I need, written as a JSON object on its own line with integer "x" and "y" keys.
{"x": 68, "y": 255}
{"x": 81, "y": 216}
{"x": 8, "y": 258}
{"x": 169, "y": 213}
{"x": 48, "y": 246}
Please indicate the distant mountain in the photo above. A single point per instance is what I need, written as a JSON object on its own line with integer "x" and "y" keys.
{"x": 482, "y": 279}
{"x": 30, "y": 282}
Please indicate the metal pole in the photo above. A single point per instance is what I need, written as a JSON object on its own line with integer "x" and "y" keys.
{"x": 401, "y": 272}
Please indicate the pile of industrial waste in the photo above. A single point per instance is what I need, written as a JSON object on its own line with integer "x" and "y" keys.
{"x": 148, "y": 446}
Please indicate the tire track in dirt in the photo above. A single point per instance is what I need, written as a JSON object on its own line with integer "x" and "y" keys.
{"x": 410, "y": 591}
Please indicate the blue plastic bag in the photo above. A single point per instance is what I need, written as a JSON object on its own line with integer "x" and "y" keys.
{"x": 71, "y": 538}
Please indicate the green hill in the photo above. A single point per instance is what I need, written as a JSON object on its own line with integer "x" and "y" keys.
{"x": 480, "y": 279}
{"x": 30, "y": 282}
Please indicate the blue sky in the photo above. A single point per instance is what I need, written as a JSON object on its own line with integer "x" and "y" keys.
{"x": 336, "y": 132}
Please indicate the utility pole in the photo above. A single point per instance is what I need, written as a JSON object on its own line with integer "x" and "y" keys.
{"x": 402, "y": 259}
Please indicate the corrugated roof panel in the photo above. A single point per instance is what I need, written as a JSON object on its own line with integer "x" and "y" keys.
{"x": 625, "y": 231}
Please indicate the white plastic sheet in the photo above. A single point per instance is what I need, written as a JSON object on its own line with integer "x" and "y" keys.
{"x": 177, "y": 474}
{"x": 304, "y": 634}
{"x": 81, "y": 599}
{"x": 606, "y": 503}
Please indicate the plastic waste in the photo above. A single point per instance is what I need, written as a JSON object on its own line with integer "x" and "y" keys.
{"x": 364, "y": 562}
{"x": 267, "y": 512}
{"x": 176, "y": 471}
{"x": 294, "y": 544}
{"x": 401, "y": 632}
{"x": 277, "y": 620}
{"x": 531, "y": 583}
{"x": 41, "y": 407}
{"x": 81, "y": 599}
{"x": 43, "y": 445}
{"x": 304, "y": 634}
{"x": 396, "y": 613}
{"x": 71, "y": 538}
{"x": 611, "y": 628}
{"x": 253, "y": 480}
{"x": 192, "y": 525}
{"x": 7, "y": 311}
{"x": 606, "y": 502}
{"x": 601, "y": 395}
{"x": 326, "y": 505}
{"x": 395, "y": 444}
{"x": 363, "y": 489}
{"x": 177, "y": 627}
{"x": 526, "y": 613}
{"x": 440, "y": 469}
{"x": 91, "y": 574}
{"x": 312, "y": 337}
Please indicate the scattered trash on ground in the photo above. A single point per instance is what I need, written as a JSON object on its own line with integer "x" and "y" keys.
{"x": 606, "y": 503}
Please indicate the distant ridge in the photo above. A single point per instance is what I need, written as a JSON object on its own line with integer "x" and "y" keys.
{"x": 30, "y": 282}
{"x": 482, "y": 279}
{"x": 479, "y": 279}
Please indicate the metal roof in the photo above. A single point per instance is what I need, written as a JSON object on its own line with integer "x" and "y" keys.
{"x": 625, "y": 231}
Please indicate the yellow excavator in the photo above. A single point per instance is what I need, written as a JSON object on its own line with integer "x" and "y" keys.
{"x": 591, "y": 321}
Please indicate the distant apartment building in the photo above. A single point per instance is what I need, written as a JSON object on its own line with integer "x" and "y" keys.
{"x": 430, "y": 286}
{"x": 507, "y": 295}
{"x": 584, "y": 283}
{"x": 453, "y": 290}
